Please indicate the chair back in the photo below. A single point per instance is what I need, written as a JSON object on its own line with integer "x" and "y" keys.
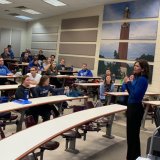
{"x": 29, "y": 121}
{"x": 89, "y": 104}
{"x": 77, "y": 108}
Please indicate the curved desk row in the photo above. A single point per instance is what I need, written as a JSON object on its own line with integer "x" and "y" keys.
{"x": 36, "y": 102}
{"x": 22, "y": 143}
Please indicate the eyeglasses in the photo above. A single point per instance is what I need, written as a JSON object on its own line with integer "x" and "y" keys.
{"x": 32, "y": 70}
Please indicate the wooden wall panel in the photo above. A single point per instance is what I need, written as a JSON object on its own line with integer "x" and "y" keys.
{"x": 80, "y": 23}
{"x": 79, "y": 36}
{"x": 78, "y": 49}
{"x": 47, "y": 46}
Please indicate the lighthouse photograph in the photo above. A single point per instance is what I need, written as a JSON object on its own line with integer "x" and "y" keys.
{"x": 129, "y": 33}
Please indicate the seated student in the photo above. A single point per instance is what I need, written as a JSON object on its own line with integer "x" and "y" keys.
{"x": 53, "y": 58}
{"x": 34, "y": 63}
{"x": 61, "y": 65}
{"x": 10, "y": 51}
{"x": 29, "y": 54}
{"x": 4, "y": 71}
{"x": 51, "y": 69}
{"x": 42, "y": 90}
{"x": 106, "y": 86}
{"x": 108, "y": 73}
{"x": 25, "y": 85}
{"x": 26, "y": 58}
{"x": 34, "y": 76}
{"x": 41, "y": 57}
{"x": 47, "y": 63}
{"x": 85, "y": 71}
{"x": 5, "y": 54}
{"x": 21, "y": 94}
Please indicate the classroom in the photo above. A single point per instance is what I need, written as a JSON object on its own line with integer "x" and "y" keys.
{"x": 79, "y": 79}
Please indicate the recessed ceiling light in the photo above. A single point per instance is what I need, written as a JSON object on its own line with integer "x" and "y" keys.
{"x": 5, "y": 2}
{"x": 30, "y": 11}
{"x": 23, "y": 17}
{"x": 55, "y": 2}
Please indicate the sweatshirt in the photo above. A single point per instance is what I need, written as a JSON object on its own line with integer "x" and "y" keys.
{"x": 42, "y": 91}
{"x": 4, "y": 70}
{"x": 137, "y": 89}
{"x": 20, "y": 92}
{"x": 86, "y": 72}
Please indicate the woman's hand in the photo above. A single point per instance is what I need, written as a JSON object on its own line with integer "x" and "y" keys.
{"x": 126, "y": 79}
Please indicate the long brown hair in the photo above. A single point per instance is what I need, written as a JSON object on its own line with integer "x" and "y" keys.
{"x": 23, "y": 78}
{"x": 42, "y": 80}
{"x": 145, "y": 66}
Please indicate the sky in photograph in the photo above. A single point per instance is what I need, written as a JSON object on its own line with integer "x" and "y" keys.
{"x": 138, "y": 30}
{"x": 135, "y": 50}
{"x": 138, "y": 9}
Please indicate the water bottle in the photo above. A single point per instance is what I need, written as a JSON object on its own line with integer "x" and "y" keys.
{"x": 26, "y": 94}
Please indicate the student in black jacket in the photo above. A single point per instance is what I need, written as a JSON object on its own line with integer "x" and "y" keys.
{"x": 41, "y": 56}
{"x": 25, "y": 86}
{"x": 24, "y": 89}
{"x": 42, "y": 90}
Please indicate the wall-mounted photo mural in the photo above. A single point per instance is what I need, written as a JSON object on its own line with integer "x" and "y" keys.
{"x": 127, "y": 51}
{"x": 119, "y": 69}
{"x": 133, "y": 10}
{"x": 141, "y": 30}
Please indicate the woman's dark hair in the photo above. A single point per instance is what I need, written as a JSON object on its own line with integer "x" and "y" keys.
{"x": 23, "y": 78}
{"x": 53, "y": 56}
{"x": 145, "y": 66}
{"x": 105, "y": 80}
{"x": 42, "y": 80}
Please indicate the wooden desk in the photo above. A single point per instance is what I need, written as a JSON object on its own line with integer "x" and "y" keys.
{"x": 84, "y": 77}
{"x": 67, "y": 72}
{"x": 12, "y": 76}
{"x": 64, "y": 77}
{"x": 126, "y": 94}
{"x": 11, "y": 60}
{"x": 11, "y": 106}
{"x": 153, "y": 103}
{"x": 8, "y": 87}
{"x": 88, "y": 84}
{"x": 22, "y": 143}
{"x": 20, "y": 64}
{"x": 12, "y": 87}
{"x": 118, "y": 94}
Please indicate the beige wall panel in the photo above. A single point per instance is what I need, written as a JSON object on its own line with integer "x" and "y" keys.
{"x": 47, "y": 46}
{"x": 79, "y": 23}
{"x": 78, "y": 61}
{"x": 78, "y": 49}
{"x": 79, "y": 36}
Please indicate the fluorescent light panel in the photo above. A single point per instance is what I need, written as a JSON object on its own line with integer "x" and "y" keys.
{"x": 55, "y": 2}
{"x": 23, "y": 17}
{"x": 31, "y": 11}
{"x": 5, "y": 2}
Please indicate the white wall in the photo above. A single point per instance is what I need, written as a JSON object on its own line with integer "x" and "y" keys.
{"x": 56, "y": 21}
{"x": 22, "y": 26}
